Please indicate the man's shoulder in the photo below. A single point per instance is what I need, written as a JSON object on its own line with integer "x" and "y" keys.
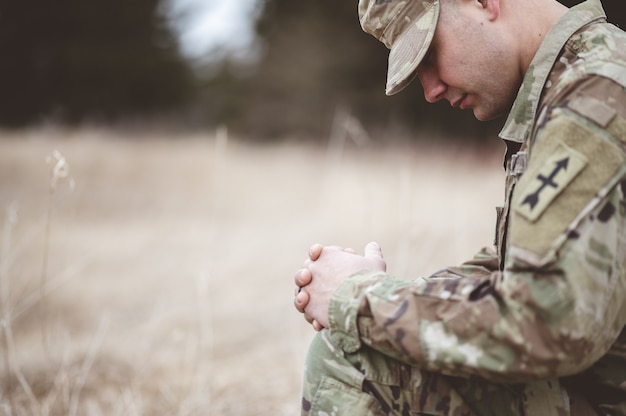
{"x": 599, "y": 41}
{"x": 589, "y": 79}
{"x": 596, "y": 50}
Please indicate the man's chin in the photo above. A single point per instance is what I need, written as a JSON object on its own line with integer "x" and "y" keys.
{"x": 483, "y": 116}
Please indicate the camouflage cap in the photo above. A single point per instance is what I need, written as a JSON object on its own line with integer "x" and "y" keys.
{"x": 406, "y": 27}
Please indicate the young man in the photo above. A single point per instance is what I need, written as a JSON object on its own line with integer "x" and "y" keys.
{"x": 536, "y": 326}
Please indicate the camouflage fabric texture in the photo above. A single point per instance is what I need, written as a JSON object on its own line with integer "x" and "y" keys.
{"x": 535, "y": 325}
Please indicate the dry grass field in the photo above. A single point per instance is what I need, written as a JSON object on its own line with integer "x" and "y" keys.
{"x": 152, "y": 274}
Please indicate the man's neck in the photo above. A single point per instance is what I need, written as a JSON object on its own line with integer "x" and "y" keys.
{"x": 538, "y": 18}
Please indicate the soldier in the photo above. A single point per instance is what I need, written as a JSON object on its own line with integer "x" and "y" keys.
{"x": 535, "y": 325}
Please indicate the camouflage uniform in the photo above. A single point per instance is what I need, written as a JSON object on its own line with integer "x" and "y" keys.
{"x": 536, "y": 326}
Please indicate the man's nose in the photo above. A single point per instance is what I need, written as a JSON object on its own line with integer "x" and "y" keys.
{"x": 434, "y": 88}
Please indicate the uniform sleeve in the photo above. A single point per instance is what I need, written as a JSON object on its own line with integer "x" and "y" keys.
{"x": 558, "y": 304}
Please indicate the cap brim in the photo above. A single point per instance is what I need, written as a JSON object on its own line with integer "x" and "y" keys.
{"x": 409, "y": 50}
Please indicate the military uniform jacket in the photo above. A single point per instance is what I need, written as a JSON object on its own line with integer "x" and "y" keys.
{"x": 544, "y": 307}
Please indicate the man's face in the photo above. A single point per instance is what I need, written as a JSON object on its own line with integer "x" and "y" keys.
{"x": 469, "y": 65}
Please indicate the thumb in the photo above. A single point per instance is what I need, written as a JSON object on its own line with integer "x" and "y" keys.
{"x": 373, "y": 250}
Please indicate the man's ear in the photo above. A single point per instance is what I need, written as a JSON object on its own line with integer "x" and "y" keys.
{"x": 492, "y": 7}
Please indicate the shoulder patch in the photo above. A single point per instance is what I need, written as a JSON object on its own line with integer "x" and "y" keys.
{"x": 571, "y": 165}
{"x": 594, "y": 109}
{"x": 548, "y": 180}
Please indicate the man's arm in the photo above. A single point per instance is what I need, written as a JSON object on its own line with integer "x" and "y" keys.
{"x": 555, "y": 309}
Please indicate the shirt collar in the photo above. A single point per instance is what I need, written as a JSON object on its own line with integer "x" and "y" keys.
{"x": 523, "y": 112}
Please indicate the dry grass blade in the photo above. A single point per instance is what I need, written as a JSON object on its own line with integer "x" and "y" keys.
{"x": 96, "y": 345}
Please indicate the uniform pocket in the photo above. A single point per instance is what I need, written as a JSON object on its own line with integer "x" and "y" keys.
{"x": 334, "y": 398}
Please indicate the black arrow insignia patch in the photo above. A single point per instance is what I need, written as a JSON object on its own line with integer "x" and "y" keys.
{"x": 533, "y": 199}
{"x": 546, "y": 183}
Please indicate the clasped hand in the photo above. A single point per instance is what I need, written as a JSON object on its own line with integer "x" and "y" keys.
{"x": 322, "y": 273}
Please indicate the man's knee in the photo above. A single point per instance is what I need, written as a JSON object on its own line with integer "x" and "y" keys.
{"x": 332, "y": 384}
{"x": 370, "y": 383}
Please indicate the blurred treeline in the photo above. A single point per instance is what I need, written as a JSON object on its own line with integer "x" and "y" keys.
{"x": 78, "y": 60}
{"x": 102, "y": 61}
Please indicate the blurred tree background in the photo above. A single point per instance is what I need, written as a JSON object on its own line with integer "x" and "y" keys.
{"x": 77, "y": 61}
{"x": 316, "y": 63}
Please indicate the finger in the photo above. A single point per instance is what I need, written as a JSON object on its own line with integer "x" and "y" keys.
{"x": 373, "y": 250}
{"x": 309, "y": 318}
{"x": 316, "y": 325}
{"x": 301, "y": 300}
{"x": 315, "y": 251}
{"x": 303, "y": 277}
{"x": 349, "y": 250}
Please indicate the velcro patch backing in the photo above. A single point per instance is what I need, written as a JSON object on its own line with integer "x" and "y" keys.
{"x": 593, "y": 109}
{"x": 549, "y": 197}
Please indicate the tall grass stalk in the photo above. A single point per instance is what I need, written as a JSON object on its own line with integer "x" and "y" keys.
{"x": 345, "y": 126}
{"x": 87, "y": 364}
{"x": 11, "y": 310}
{"x": 60, "y": 171}
{"x": 9, "y": 223}
{"x": 10, "y": 360}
